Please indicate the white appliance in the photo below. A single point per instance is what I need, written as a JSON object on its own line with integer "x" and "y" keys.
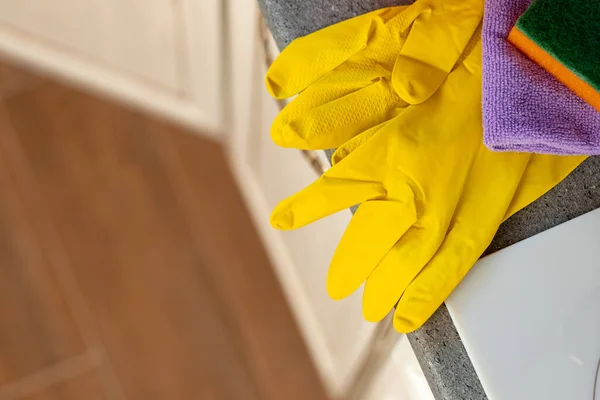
{"x": 529, "y": 315}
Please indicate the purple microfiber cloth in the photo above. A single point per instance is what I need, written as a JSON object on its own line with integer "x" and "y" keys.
{"x": 524, "y": 107}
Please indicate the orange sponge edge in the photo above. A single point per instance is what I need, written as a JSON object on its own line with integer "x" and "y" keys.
{"x": 554, "y": 67}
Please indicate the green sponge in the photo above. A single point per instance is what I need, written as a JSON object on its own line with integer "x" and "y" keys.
{"x": 567, "y": 36}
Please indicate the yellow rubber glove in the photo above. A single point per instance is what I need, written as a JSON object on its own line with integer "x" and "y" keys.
{"x": 431, "y": 199}
{"x": 361, "y": 72}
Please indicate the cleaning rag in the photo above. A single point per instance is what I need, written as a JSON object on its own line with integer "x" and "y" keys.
{"x": 524, "y": 107}
{"x": 563, "y": 37}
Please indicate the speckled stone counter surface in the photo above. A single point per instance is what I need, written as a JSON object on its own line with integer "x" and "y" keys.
{"x": 437, "y": 344}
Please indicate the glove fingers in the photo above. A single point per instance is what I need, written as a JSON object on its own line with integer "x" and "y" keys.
{"x": 433, "y": 47}
{"x": 309, "y": 123}
{"x": 396, "y": 271}
{"x": 309, "y": 58}
{"x": 373, "y": 230}
{"x": 347, "y": 148}
{"x": 479, "y": 213}
{"x": 437, "y": 280}
{"x": 327, "y": 195}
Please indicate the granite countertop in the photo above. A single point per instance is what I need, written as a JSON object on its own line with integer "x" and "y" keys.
{"x": 437, "y": 344}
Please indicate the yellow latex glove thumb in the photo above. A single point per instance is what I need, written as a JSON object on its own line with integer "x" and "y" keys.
{"x": 361, "y": 72}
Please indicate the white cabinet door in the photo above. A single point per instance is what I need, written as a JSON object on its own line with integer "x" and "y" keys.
{"x": 164, "y": 55}
{"x": 131, "y": 36}
{"x": 335, "y": 331}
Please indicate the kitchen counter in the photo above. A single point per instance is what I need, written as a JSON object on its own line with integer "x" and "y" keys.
{"x": 437, "y": 344}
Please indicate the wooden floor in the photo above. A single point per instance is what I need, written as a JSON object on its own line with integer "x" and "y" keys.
{"x": 129, "y": 267}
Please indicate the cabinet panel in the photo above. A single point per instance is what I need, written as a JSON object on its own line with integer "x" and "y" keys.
{"x": 335, "y": 331}
{"x": 133, "y": 36}
{"x": 164, "y": 56}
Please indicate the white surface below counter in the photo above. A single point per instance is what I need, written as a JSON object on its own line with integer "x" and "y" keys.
{"x": 529, "y": 315}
